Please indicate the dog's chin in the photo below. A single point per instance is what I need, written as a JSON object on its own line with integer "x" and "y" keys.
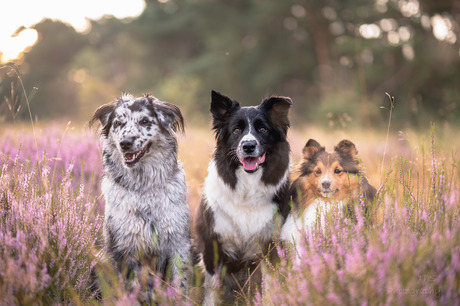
{"x": 327, "y": 193}
{"x": 251, "y": 164}
{"x": 132, "y": 158}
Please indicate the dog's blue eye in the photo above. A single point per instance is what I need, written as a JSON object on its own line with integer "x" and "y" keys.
{"x": 337, "y": 171}
{"x": 263, "y": 130}
{"x": 116, "y": 124}
{"x": 236, "y": 131}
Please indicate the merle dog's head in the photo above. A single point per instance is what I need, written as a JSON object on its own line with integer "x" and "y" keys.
{"x": 250, "y": 136}
{"x": 132, "y": 126}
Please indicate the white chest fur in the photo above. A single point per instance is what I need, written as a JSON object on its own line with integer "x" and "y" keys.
{"x": 243, "y": 216}
{"x": 297, "y": 223}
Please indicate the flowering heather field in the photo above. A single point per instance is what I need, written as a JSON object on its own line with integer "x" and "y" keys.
{"x": 407, "y": 251}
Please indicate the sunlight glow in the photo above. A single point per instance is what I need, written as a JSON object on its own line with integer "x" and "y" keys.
{"x": 17, "y": 44}
{"x": 442, "y": 29}
{"x": 388, "y": 24}
{"x": 409, "y": 8}
{"x": 369, "y": 31}
{"x": 408, "y": 52}
{"x": 27, "y": 13}
{"x": 393, "y": 38}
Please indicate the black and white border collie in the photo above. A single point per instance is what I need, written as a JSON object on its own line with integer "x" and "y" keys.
{"x": 147, "y": 218}
{"x": 245, "y": 189}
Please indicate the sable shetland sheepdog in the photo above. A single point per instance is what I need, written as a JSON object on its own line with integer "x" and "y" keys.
{"x": 246, "y": 188}
{"x": 327, "y": 180}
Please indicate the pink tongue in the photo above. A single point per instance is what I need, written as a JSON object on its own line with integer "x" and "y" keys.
{"x": 251, "y": 163}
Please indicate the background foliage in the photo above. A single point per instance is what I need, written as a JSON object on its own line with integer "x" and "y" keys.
{"x": 336, "y": 59}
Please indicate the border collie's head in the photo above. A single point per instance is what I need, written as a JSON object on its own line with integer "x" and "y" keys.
{"x": 131, "y": 126}
{"x": 252, "y": 136}
{"x": 333, "y": 175}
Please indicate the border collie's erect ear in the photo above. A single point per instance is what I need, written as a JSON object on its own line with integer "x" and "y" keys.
{"x": 278, "y": 107}
{"x": 311, "y": 148}
{"x": 103, "y": 114}
{"x": 347, "y": 149}
{"x": 221, "y": 105}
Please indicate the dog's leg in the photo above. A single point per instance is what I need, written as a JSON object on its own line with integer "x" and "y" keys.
{"x": 211, "y": 286}
{"x": 180, "y": 270}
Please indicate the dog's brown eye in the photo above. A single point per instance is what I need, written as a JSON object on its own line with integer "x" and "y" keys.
{"x": 263, "y": 130}
{"x": 236, "y": 131}
{"x": 144, "y": 121}
{"x": 337, "y": 171}
{"x": 116, "y": 124}
{"x": 318, "y": 171}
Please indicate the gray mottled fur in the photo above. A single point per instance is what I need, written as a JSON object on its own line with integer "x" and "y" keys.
{"x": 147, "y": 218}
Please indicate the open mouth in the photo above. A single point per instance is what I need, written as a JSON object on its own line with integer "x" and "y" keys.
{"x": 133, "y": 157}
{"x": 251, "y": 164}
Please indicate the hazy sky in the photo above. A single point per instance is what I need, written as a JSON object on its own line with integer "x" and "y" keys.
{"x": 17, "y": 13}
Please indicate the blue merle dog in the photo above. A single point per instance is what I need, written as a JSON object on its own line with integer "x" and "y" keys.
{"x": 147, "y": 218}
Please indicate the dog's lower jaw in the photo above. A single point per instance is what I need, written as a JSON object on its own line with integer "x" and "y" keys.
{"x": 133, "y": 158}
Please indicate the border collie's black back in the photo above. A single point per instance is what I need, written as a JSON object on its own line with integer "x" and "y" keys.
{"x": 246, "y": 187}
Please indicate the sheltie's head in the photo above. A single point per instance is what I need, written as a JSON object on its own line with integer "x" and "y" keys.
{"x": 331, "y": 176}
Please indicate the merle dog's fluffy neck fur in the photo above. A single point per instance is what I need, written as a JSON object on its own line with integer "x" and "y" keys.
{"x": 147, "y": 219}
{"x": 246, "y": 186}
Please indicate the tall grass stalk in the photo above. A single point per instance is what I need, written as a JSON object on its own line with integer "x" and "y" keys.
{"x": 382, "y": 167}
{"x": 15, "y": 69}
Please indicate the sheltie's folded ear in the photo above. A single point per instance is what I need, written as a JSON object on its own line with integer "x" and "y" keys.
{"x": 311, "y": 148}
{"x": 346, "y": 148}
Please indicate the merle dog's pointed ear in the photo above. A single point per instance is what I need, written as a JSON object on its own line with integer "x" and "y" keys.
{"x": 222, "y": 105}
{"x": 169, "y": 116}
{"x": 102, "y": 114}
{"x": 311, "y": 148}
{"x": 346, "y": 148}
{"x": 278, "y": 108}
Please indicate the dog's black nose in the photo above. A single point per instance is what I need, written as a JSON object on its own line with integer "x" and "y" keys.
{"x": 126, "y": 144}
{"x": 326, "y": 184}
{"x": 249, "y": 146}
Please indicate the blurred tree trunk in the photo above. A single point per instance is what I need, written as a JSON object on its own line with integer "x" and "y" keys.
{"x": 320, "y": 31}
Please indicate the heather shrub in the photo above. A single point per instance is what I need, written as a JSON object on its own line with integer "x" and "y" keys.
{"x": 47, "y": 234}
{"x": 59, "y": 146}
{"x": 406, "y": 251}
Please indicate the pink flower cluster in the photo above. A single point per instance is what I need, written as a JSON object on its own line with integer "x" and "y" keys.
{"x": 48, "y": 232}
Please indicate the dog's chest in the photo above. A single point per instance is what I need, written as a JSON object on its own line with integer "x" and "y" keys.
{"x": 297, "y": 222}
{"x": 139, "y": 222}
{"x": 244, "y": 216}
